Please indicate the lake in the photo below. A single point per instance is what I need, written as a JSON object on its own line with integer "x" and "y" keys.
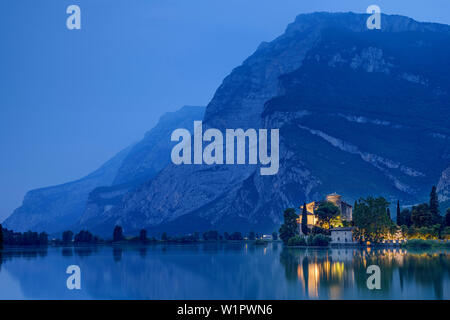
{"x": 222, "y": 271}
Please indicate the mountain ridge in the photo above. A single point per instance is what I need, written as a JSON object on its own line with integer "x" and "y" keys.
{"x": 270, "y": 80}
{"x": 360, "y": 112}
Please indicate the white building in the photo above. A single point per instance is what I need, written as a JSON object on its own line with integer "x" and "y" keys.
{"x": 268, "y": 237}
{"x": 342, "y": 236}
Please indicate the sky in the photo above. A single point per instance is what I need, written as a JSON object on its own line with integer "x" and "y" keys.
{"x": 72, "y": 99}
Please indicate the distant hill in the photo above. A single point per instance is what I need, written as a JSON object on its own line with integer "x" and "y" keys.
{"x": 57, "y": 208}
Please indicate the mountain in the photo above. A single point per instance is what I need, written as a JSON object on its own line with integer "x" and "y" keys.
{"x": 53, "y": 208}
{"x": 152, "y": 153}
{"x": 443, "y": 189}
{"x": 360, "y": 112}
{"x": 142, "y": 163}
{"x": 56, "y": 208}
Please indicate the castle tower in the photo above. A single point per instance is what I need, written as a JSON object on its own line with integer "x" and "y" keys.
{"x": 335, "y": 198}
{"x": 345, "y": 209}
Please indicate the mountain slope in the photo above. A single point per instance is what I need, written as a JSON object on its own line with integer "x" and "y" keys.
{"x": 142, "y": 164}
{"x": 360, "y": 112}
{"x": 56, "y": 208}
{"x": 152, "y": 153}
{"x": 443, "y": 189}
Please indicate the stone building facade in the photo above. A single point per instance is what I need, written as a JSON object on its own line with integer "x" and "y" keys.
{"x": 346, "y": 210}
{"x": 342, "y": 236}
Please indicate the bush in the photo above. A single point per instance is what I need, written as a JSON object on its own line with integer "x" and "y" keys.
{"x": 211, "y": 235}
{"x": 296, "y": 241}
{"x": 318, "y": 230}
{"x": 446, "y": 233}
{"x": 424, "y": 233}
{"x": 419, "y": 243}
{"x": 320, "y": 240}
{"x": 260, "y": 242}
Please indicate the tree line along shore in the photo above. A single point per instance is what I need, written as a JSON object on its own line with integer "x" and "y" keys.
{"x": 372, "y": 224}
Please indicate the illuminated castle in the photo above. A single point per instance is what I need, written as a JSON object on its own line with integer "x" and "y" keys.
{"x": 346, "y": 210}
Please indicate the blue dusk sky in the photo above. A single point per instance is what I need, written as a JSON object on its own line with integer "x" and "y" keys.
{"x": 70, "y": 100}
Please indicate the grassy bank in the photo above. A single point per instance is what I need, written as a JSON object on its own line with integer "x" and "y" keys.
{"x": 418, "y": 243}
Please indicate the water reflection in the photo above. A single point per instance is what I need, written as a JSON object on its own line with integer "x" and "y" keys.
{"x": 224, "y": 271}
{"x": 67, "y": 252}
{"x": 117, "y": 254}
{"x": 84, "y": 251}
{"x": 143, "y": 252}
{"x": 27, "y": 253}
{"x": 330, "y": 273}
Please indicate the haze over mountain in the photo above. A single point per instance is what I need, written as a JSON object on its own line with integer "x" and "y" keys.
{"x": 57, "y": 208}
{"x": 361, "y": 112}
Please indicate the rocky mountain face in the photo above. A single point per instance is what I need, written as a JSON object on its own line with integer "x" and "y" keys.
{"x": 141, "y": 165}
{"x": 53, "y": 208}
{"x": 360, "y": 112}
{"x": 152, "y": 153}
{"x": 443, "y": 189}
{"x": 61, "y": 207}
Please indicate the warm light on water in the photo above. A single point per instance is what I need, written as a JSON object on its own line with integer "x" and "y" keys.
{"x": 223, "y": 271}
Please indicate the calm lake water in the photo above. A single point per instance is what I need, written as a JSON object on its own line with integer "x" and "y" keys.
{"x": 222, "y": 271}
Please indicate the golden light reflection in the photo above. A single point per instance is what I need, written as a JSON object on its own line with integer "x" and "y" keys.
{"x": 337, "y": 270}
{"x": 312, "y": 273}
{"x": 313, "y": 280}
{"x": 328, "y": 275}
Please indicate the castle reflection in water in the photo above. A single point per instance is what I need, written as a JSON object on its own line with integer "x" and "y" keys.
{"x": 330, "y": 273}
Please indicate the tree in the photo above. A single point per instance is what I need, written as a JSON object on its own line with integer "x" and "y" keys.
{"x": 326, "y": 212}
{"x": 1, "y": 236}
{"x": 226, "y": 236}
{"x": 211, "y": 235}
{"x": 84, "y": 237}
{"x": 421, "y": 216}
{"x": 305, "y": 229}
{"x": 405, "y": 218}
{"x": 447, "y": 218}
{"x": 143, "y": 235}
{"x": 67, "y": 237}
{"x": 275, "y": 235}
{"x": 320, "y": 240}
{"x": 371, "y": 220}
{"x": 196, "y": 236}
{"x": 434, "y": 207}
{"x": 236, "y": 236}
{"x": 43, "y": 239}
{"x": 30, "y": 238}
{"x": 164, "y": 237}
{"x": 117, "y": 234}
{"x": 251, "y": 235}
{"x": 289, "y": 228}
{"x": 297, "y": 241}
